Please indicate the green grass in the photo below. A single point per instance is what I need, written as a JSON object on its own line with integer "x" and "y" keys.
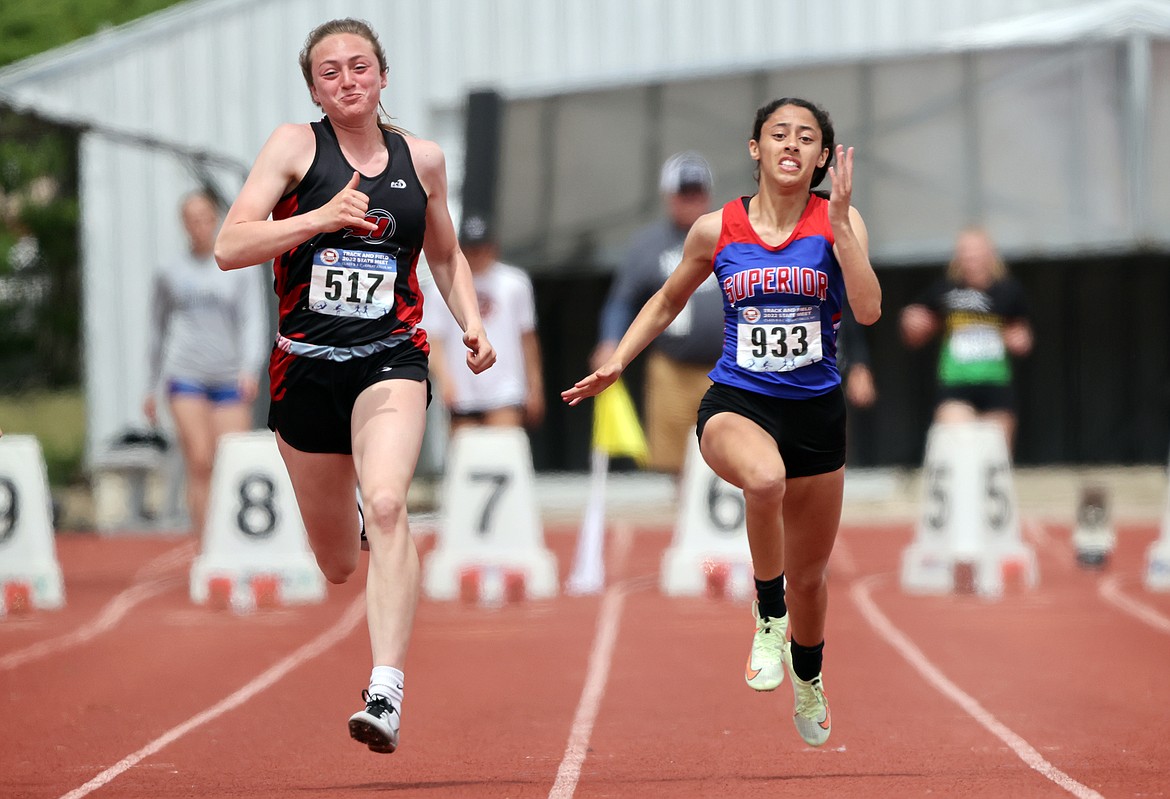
{"x": 57, "y": 419}
{"x": 28, "y": 27}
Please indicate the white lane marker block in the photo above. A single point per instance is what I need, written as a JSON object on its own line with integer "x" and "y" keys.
{"x": 968, "y": 538}
{"x": 30, "y": 576}
{"x": 255, "y": 550}
{"x": 490, "y": 539}
{"x": 1094, "y": 537}
{"x": 1158, "y": 555}
{"x": 709, "y": 552}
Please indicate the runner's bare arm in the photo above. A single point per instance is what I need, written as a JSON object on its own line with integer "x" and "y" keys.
{"x": 249, "y": 236}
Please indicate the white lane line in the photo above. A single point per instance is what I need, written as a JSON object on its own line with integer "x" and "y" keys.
{"x": 600, "y": 658}
{"x": 149, "y": 581}
{"x": 1109, "y": 589}
{"x": 859, "y": 591}
{"x": 1041, "y": 538}
{"x": 1037, "y": 533}
{"x": 623, "y": 542}
{"x": 167, "y": 561}
{"x": 842, "y": 557}
{"x": 107, "y": 619}
{"x": 355, "y": 613}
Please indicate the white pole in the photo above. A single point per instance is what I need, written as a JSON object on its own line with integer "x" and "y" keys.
{"x": 588, "y": 574}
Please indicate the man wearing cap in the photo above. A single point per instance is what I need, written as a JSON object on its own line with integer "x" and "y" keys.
{"x": 512, "y": 393}
{"x": 676, "y": 371}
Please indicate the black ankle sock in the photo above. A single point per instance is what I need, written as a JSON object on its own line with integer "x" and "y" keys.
{"x": 806, "y": 660}
{"x": 770, "y": 593}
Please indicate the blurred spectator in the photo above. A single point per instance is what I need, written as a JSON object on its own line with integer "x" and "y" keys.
{"x": 209, "y": 337}
{"x": 860, "y": 389}
{"x": 982, "y": 314}
{"x": 680, "y": 358}
{"x": 512, "y": 393}
{"x": 853, "y": 358}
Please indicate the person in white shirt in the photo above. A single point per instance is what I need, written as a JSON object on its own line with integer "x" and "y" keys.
{"x": 209, "y": 337}
{"x": 512, "y": 393}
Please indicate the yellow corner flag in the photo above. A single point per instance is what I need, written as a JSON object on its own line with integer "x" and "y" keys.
{"x": 616, "y": 430}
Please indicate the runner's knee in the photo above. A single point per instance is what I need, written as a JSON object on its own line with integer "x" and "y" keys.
{"x": 763, "y": 484}
{"x": 337, "y": 568}
{"x": 384, "y": 509}
{"x": 804, "y": 582}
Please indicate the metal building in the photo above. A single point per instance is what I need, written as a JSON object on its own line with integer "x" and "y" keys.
{"x": 1045, "y": 117}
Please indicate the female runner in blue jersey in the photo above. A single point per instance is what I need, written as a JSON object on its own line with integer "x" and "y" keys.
{"x": 773, "y": 423}
{"x": 353, "y": 202}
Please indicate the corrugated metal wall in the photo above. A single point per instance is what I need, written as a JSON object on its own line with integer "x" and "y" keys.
{"x": 218, "y": 76}
{"x": 1013, "y": 138}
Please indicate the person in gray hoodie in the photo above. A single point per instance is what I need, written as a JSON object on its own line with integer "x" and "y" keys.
{"x": 676, "y": 371}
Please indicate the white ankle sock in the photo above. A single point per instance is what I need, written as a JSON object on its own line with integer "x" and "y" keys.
{"x": 387, "y": 681}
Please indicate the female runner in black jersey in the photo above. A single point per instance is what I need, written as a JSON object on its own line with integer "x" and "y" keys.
{"x": 353, "y": 202}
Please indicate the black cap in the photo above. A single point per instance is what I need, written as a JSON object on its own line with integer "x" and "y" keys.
{"x": 474, "y": 229}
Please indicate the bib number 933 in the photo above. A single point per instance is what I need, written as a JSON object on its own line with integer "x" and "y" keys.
{"x": 778, "y": 339}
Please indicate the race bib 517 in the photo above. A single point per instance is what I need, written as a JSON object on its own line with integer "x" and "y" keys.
{"x": 354, "y": 283}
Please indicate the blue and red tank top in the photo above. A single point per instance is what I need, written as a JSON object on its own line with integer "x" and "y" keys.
{"x": 781, "y": 305}
{"x": 347, "y": 293}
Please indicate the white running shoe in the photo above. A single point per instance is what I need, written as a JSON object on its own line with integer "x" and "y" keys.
{"x": 377, "y": 725}
{"x": 765, "y": 665}
{"x": 811, "y": 714}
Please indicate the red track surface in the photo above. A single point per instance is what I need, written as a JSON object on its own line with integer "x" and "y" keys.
{"x": 1062, "y": 672}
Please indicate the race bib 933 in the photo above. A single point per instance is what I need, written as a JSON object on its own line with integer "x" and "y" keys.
{"x": 778, "y": 338}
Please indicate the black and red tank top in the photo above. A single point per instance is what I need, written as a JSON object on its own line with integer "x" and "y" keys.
{"x": 351, "y": 293}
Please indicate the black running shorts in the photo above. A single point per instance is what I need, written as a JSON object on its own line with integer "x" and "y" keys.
{"x": 317, "y": 396}
{"x": 810, "y": 433}
{"x": 983, "y": 397}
